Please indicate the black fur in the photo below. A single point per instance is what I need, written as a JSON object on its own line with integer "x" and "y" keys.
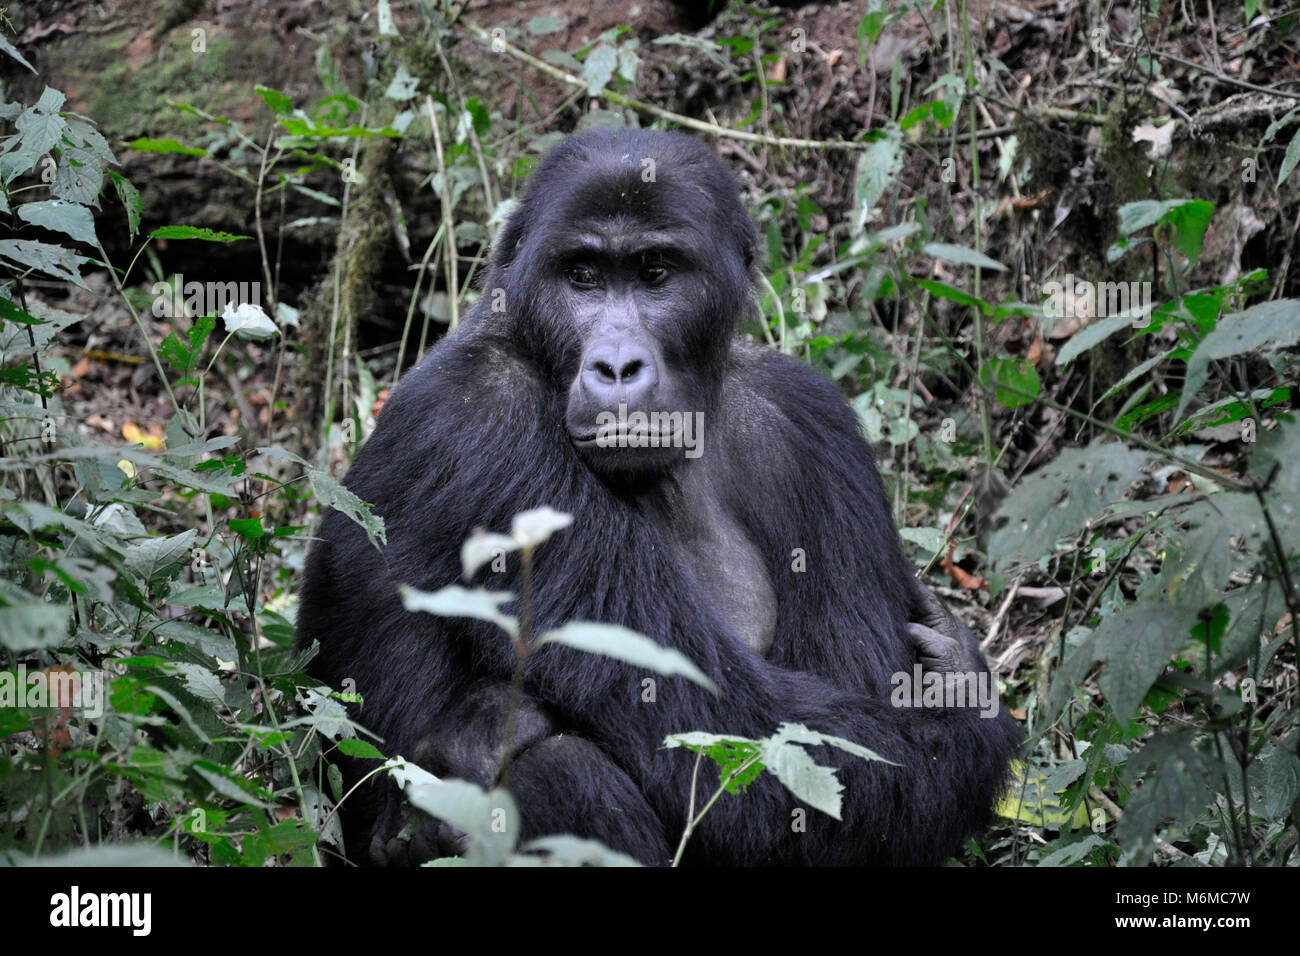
{"x": 476, "y": 432}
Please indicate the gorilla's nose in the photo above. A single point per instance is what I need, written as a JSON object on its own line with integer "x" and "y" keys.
{"x": 620, "y": 373}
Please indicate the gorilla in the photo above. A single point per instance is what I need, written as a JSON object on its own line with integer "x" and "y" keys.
{"x": 739, "y": 519}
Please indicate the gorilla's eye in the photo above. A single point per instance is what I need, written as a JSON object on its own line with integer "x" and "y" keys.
{"x": 584, "y": 277}
{"x": 653, "y": 273}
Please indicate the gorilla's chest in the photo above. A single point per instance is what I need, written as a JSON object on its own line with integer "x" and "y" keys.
{"x": 731, "y": 576}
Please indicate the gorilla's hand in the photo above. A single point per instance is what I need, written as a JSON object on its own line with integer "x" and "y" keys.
{"x": 467, "y": 742}
{"x": 414, "y": 844}
{"x": 943, "y": 643}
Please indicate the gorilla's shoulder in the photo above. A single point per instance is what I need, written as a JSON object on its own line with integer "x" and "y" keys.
{"x": 474, "y": 366}
{"x": 468, "y": 387}
{"x": 769, "y": 383}
{"x": 462, "y": 412}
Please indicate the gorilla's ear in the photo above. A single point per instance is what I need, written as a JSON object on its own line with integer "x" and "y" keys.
{"x": 506, "y": 244}
{"x": 749, "y": 241}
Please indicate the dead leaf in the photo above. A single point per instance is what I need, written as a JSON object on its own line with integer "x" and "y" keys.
{"x": 152, "y": 439}
{"x": 1160, "y": 138}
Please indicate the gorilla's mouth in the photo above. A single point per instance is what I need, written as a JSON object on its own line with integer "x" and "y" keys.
{"x": 640, "y": 450}
{"x": 629, "y": 438}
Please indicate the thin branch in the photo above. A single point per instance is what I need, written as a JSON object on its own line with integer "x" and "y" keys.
{"x": 449, "y": 229}
{"x": 500, "y": 44}
{"x": 1221, "y": 77}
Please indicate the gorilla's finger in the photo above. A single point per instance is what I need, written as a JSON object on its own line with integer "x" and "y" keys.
{"x": 934, "y": 650}
{"x": 937, "y": 651}
{"x": 926, "y": 608}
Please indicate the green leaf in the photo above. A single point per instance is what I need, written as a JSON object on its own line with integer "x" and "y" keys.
{"x": 611, "y": 640}
{"x": 278, "y": 102}
{"x": 194, "y": 232}
{"x": 12, "y": 50}
{"x": 808, "y": 780}
{"x": 278, "y": 840}
{"x": 799, "y": 734}
{"x": 301, "y": 126}
{"x": 1136, "y": 216}
{"x": 546, "y": 24}
{"x": 961, "y": 256}
{"x": 531, "y": 528}
{"x": 52, "y": 260}
{"x": 814, "y": 784}
{"x": 1060, "y": 498}
{"x": 917, "y": 114}
{"x": 164, "y": 146}
{"x": 598, "y": 68}
{"x": 940, "y": 112}
{"x": 1094, "y": 333}
{"x": 140, "y": 853}
{"x": 1266, "y": 327}
{"x": 869, "y": 27}
{"x": 1067, "y": 853}
{"x": 158, "y": 560}
{"x": 942, "y": 290}
{"x": 386, "y": 27}
{"x": 248, "y": 321}
{"x": 403, "y": 86}
{"x": 456, "y": 601}
{"x": 9, "y": 310}
{"x": 331, "y": 494}
{"x": 1170, "y": 799}
{"x": 355, "y": 747}
{"x": 730, "y": 753}
{"x": 202, "y": 683}
{"x": 32, "y": 625}
{"x": 1188, "y": 218}
{"x": 570, "y": 851}
{"x": 1018, "y": 373}
{"x": 130, "y": 198}
{"x": 628, "y": 61}
{"x": 68, "y": 218}
{"x": 227, "y": 785}
{"x": 484, "y": 546}
{"x": 250, "y": 529}
{"x": 41, "y": 128}
{"x": 1190, "y": 221}
{"x": 489, "y": 818}
{"x": 1290, "y": 160}
{"x": 1279, "y": 778}
{"x": 877, "y": 166}
{"x": 79, "y": 177}
{"x": 1134, "y": 645}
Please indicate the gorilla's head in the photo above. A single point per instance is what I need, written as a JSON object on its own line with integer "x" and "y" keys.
{"x": 625, "y": 270}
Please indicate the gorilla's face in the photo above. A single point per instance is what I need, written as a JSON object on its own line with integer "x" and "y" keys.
{"x": 629, "y": 263}
{"x": 637, "y": 400}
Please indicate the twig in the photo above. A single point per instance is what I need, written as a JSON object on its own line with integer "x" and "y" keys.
{"x": 1221, "y": 77}
{"x": 449, "y": 230}
{"x": 270, "y": 287}
{"x": 1186, "y": 463}
{"x": 502, "y": 45}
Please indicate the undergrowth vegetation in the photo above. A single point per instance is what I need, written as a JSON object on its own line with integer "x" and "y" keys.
{"x": 1109, "y": 466}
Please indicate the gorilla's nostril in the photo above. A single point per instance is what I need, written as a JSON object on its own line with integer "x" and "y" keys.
{"x": 631, "y": 369}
